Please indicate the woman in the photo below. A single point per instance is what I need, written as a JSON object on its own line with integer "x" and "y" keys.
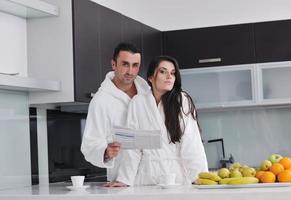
{"x": 172, "y": 111}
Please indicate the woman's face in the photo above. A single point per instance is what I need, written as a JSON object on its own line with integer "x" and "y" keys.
{"x": 164, "y": 77}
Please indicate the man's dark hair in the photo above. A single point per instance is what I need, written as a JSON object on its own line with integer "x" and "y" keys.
{"x": 124, "y": 47}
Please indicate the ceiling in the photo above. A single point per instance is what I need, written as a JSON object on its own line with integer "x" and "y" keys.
{"x": 167, "y": 15}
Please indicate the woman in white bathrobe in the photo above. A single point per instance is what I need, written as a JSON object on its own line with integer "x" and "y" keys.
{"x": 172, "y": 111}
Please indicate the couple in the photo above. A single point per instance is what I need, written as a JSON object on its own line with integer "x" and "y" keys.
{"x": 125, "y": 99}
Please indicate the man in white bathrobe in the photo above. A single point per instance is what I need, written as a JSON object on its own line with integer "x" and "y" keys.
{"x": 108, "y": 108}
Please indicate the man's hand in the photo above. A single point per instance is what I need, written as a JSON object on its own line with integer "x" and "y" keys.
{"x": 112, "y": 150}
{"x": 115, "y": 184}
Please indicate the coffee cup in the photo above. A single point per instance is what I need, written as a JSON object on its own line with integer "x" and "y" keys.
{"x": 168, "y": 179}
{"x": 77, "y": 181}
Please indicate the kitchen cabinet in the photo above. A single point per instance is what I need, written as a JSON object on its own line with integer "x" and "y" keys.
{"x": 86, "y": 49}
{"x": 28, "y": 8}
{"x": 261, "y": 84}
{"x": 151, "y": 47}
{"x": 274, "y": 86}
{"x": 77, "y": 48}
{"x": 272, "y": 41}
{"x": 213, "y": 46}
{"x": 218, "y": 87}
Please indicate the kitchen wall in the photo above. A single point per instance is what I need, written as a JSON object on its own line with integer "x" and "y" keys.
{"x": 250, "y": 135}
{"x": 14, "y": 139}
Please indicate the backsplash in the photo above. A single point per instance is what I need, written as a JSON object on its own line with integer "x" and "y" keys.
{"x": 14, "y": 140}
{"x": 249, "y": 135}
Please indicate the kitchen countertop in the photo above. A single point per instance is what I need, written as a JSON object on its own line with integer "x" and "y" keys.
{"x": 58, "y": 191}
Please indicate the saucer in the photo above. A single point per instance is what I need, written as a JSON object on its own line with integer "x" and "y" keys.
{"x": 164, "y": 186}
{"x": 77, "y": 188}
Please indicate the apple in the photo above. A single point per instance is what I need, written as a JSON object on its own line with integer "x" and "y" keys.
{"x": 265, "y": 165}
{"x": 274, "y": 158}
{"x": 223, "y": 173}
{"x": 248, "y": 172}
{"x": 235, "y": 173}
{"x": 243, "y": 167}
{"x": 234, "y": 166}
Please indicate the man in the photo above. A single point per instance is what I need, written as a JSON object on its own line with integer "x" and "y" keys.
{"x": 108, "y": 108}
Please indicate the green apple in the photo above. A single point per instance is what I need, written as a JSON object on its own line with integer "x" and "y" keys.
{"x": 248, "y": 172}
{"x": 274, "y": 158}
{"x": 223, "y": 173}
{"x": 234, "y": 166}
{"x": 243, "y": 167}
{"x": 235, "y": 173}
{"x": 265, "y": 165}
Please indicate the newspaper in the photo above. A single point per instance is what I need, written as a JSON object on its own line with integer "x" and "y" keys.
{"x": 137, "y": 139}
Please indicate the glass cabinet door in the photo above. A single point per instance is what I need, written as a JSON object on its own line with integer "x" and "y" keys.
{"x": 275, "y": 81}
{"x": 219, "y": 86}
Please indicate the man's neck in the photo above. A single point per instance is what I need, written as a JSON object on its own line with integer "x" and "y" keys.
{"x": 129, "y": 89}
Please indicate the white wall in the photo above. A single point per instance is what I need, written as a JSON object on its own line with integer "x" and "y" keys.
{"x": 13, "y": 53}
{"x": 15, "y": 168}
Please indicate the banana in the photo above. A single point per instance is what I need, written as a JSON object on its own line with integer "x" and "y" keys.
{"x": 226, "y": 180}
{"x": 202, "y": 181}
{"x": 209, "y": 175}
{"x": 243, "y": 180}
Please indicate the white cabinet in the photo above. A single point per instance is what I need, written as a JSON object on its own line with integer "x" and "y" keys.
{"x": 260, "y": 84}
{"x": 28, "y": 8}
{"x": 274, "y": 83}
{"x": 216, "y": 87}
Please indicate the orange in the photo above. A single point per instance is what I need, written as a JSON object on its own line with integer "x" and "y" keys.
{"x": 268, "y": 177}
{"x": 276, "y": 168}
{"x": 284, "y": 176}
{"x": 259, "y": 174}
{"x": 286, "y": 162}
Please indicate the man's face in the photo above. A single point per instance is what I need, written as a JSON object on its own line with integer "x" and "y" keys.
{"x": 126, "y": 67}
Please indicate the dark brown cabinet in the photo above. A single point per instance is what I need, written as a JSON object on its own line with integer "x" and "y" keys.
{"x": 96, "y": 32}
{"x": 214, "y": 46}
{"x": 87, "y": 53}
{"x": 273, "y": 41}
{"x": 151, "y": 47}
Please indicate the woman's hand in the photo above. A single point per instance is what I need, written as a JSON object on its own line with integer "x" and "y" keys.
{"x": 115, "y": 184}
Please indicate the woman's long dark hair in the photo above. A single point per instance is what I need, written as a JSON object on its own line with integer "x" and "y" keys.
{"x": 172, "y": 100}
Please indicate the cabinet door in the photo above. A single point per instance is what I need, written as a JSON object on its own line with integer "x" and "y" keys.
{"x": 219, "y": 87}
{"x": 86, "y": 49}
{"x": 273, "y": 41}
{"x": 131, "y": 31}
{"x": 110, "y": 36}
{"x": 275, "y": 82}
{"x": 151, "y": 47}
{"x": 214, "y": 46}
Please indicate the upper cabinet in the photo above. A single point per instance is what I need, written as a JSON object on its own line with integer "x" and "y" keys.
{"x": 28, "y": 8}
{"x": 217, "y": 87}
{"x": 77, "y": 48}
{"x": 273, "y": 41}
{"x": 214, "y": 46}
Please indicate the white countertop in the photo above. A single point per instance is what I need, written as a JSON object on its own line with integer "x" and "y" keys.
{"x": 96, "y": 191}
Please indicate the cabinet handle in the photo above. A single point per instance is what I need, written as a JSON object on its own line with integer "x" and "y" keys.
{"x": 209, "y": 60}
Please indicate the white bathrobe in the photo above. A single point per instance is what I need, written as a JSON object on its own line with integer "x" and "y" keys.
{"x": 144, "y": 167}
{"x": 108, "y": 108}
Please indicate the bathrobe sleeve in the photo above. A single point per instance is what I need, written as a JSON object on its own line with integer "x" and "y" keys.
{"x": 94, "y": 142}
{"x": 130, "y": 158}
{"x": 192, "y": 149}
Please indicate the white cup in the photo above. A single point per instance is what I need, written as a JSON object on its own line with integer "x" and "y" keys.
{"x": 168, "y": 179}
{"x": 77, "y": 181}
